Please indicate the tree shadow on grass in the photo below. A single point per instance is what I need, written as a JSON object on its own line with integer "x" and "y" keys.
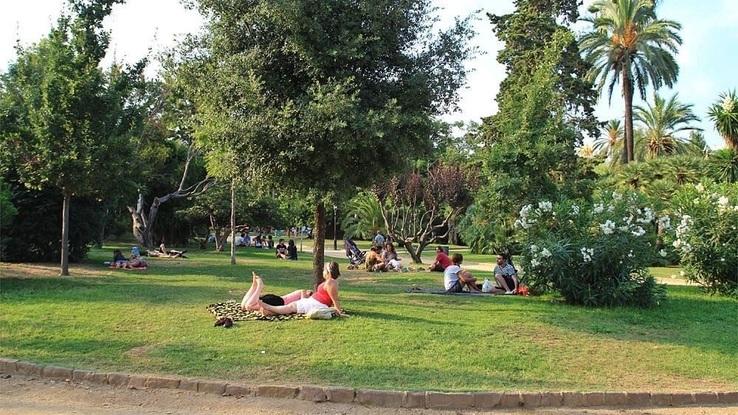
{"x": 106, "y": 290}
{"x": 687, "y": 318}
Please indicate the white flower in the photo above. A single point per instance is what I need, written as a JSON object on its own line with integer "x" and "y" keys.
{"x": 648, "y": 215}
{"x": 630, "y": 254}
{"x": 534, "y": 248}
{"x": 722, "y": 259}
{"x": 616, "y": 196}
{"x": 681, "y": 273}
{"x": 728, "y": 104}
{"x": 574, "y": 210}
{"x": 665, "y": 222}
{"x": 608, "y": 227}
{"x": 545, "y": 253}
{"x": 677, "y": 243}
{"x": 638, "y": 231}
{"x": 700, "y": 188}
{"x": 662, "y": 253}
{"x": 623, "y": 228}
{"x": 545, "y": 206}
{"x": 535, "y": 263}
{"x": 599, "y": 208}
{"x": 723, "y": 203}
{"x": 587, "y": 254}
{"x": 610, "y": 208}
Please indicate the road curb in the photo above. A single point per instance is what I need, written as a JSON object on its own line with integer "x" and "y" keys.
{"x": 380, "y": 398}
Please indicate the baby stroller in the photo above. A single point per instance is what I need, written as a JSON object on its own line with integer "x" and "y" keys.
{"x": 355, "y": 256}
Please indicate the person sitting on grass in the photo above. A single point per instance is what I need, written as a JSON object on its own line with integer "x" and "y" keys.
{"x": 281, "y": 250}
{"x": 374, "y": 260}
{"x": 455, "y": 279}
{"x": 119, "y": 261}
{"x": 441, "y": 262}
{"x": 325, "y": 296}
{"x": 506, "y": 276}
{"x": 291, "y": 250}
{"x": 390, "y": 259}
{"x": 251, "y": 300}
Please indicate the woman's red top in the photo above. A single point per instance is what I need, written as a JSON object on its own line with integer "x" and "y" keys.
{"x": 322, "y": 295}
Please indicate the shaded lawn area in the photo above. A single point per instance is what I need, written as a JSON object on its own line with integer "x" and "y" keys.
{"x": 155, "y": 322}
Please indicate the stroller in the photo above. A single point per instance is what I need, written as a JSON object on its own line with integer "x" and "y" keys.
{"x": 355, "y": 256}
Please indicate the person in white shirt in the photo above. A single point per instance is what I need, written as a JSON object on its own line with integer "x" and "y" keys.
{"x": 455, "y": 278}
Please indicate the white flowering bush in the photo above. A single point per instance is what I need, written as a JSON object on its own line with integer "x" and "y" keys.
{"x": 706, "y": 235}
{"x": 594, "y": 254}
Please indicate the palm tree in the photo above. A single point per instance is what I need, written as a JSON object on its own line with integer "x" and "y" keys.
{"x": 611, "y": 141}
{"x": 724, "y": 114}
{"x": 661, "y": 122}
{"x": 629, "y": 44}
{"x": 697, "y": 145}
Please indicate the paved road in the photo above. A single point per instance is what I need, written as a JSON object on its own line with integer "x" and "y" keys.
{"x": 20, "y": 395}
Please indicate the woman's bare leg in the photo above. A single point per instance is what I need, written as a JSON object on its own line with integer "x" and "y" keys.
{"x": 268, "y": 310}
{"x": 251, "y": 299}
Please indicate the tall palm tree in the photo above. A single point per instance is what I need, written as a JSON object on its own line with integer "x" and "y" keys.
{"x": 661, "y": 122}
{"x": 724, "y": 114}
{"x": 629, "y": 44}
{"x": 610, "y": 141}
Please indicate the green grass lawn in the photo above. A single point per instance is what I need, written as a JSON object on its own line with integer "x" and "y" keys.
{"x": 155, "y": 322}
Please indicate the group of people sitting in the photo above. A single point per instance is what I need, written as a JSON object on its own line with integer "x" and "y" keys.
{"x": 258, "y": 241}
{"x": 383, "y": 258}
{"x": 456, "y": 279}
{"x": 323, "y": 297}
{"x": 288, "y": 251}
{"x": 135, "y": 262}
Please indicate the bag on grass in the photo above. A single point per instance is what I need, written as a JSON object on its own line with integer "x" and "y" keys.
{"x": 320, "y": 314}
{"x": 487, "y": 286}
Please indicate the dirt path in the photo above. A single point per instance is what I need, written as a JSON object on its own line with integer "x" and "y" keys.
{"x": 21, "y": 395}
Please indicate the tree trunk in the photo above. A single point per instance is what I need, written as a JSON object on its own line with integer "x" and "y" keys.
{"x": 233, "y": 222}
{"x": 319, "y": 243}
{"x": 628, "y": 98}
{"x": 65, "y": 235}
{"x": 413, "y": 253}
{"x": 101, "y": 235}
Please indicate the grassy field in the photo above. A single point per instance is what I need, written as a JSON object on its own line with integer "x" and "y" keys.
{"x": 155, "y": 322}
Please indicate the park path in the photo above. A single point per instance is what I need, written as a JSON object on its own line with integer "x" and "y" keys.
{"x": 21, "y": 395}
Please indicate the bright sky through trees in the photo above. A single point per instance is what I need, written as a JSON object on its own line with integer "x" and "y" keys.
{"x": 707, "y": 59}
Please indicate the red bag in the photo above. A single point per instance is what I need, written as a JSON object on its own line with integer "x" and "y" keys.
{"x": 522, "y": 290}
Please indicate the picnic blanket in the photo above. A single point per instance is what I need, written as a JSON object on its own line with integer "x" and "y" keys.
{"x": 232, "y": 309}
{"x": 420, "y": 290}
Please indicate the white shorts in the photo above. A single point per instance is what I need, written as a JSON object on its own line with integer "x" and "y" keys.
{"x": 306, "y": 305}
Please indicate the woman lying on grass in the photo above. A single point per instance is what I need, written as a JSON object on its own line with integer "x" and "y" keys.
{"x": 251, "y": 301}
{"x": 325, "y": 296}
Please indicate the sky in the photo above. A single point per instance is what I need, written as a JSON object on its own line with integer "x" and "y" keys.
{"x": 708, "y": 58}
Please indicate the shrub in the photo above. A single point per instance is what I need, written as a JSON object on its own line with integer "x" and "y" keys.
{"x": 707, "y": 235}
{"x": 595, "y": 255}
{"x": 34, "y": 235}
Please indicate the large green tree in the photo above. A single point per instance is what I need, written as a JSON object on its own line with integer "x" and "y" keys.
{"x": 546, "y": 106}
{"x": 631, "y": 45}
{"x": 63, "y": 120}
{"x": 662, "y": 122}
{"x": 320, "y": 97}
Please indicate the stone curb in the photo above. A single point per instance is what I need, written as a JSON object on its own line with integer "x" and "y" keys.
{"x": 380, "y": 398}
